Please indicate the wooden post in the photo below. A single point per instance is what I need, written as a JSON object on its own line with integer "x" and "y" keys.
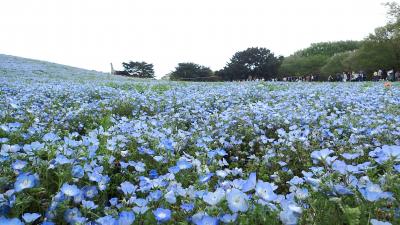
{"x": 112, "y": 69}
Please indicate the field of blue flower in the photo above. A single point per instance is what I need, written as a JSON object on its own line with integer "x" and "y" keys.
{"x": 108, "y": 151}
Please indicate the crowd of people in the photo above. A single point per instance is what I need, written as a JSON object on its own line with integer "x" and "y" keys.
{"x": 380, "y": 75}
{"x": 308, "y": 78}
{"x": 390, "y": 75}
{"x": 346, "y": 76}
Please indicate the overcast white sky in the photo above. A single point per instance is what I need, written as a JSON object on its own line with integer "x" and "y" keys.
{"x": 93, "y": 33}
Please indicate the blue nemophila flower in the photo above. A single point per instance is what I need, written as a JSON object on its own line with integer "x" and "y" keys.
{"x": 351, "y": 156}
{"x": 202, "y": 218}
{"x": 89, "y": 204}
{"x": 207, "y": 220}
{"x": 126, "y": 218}
{"x": 24, "y": 181}
{"x": 213, "y": 198}
{"x": 340, "y": 166}
{"x": 184, "y": 164}
{"x": 296, "y": 181}
{"x": 229, "y": 218}
{"x": 301, "y": 193}
{"x": 153, "y": 174}
{"x": 128, "y": 188}
{"x": 174, "y": 169}
{"x": 155, "y": 195}
{"x": 4, "y": 140}
{"x": 250, "y": 183}
{"x": 77, "y": 171}
{"x": 187, "y": 207}
{"x": 237, "y": 201}
{"x": 340, "y": 189}
{"x": 221, "y": 173}
{"x": 290, "y": 211}
{"x": 168, "y": 144}
{"x": 48, "y": 223}
{"x": 386, "y": 153}
{"x": 140, "y": 209}
{"x": 62, "y": 159}
{"x": 266, "y": 190}
{"x": 397, "y": 168}
{"x": 162, "y": 215}
{"x": 143, "y": 150}
{"x": 378, "y": 222}
{"x": 141, "y": 201}
{"x": 288, "y": 217}
{"x": 51, "y": 137}
{"x": 205, "y": 178}
{"x": 72, "y": 215}
{"x": 170, "y": 197}
{"x": 30, "y": 217}
{"x": 321, "y": 155}
{"x": 106, "y": 220}
{"x": 113, "y": 201}
{"x": 373, "y": 192}
{"x": 18, "y": 165}
{"x": 70, "y": 190}
{"x": 90, "y": 191}
{"x": 217, "y": 152}
{"x": 139, "y": 166}
{"x": 13, "y": 221}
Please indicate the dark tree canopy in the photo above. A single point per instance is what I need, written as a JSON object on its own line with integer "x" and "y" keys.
{"x": 192, "y": 72}
{"x": 255, "y": 63}
{"x": 139, "y": 69}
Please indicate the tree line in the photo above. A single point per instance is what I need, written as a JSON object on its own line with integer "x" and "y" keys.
{"x": 380, "y": 50}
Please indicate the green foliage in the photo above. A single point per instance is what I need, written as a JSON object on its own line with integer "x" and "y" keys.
{"x": 336, "y": 64}
{"x": 329, "y": 48}
{"x": 124, "y": 108}
{"x": 352, "y": 215}
{"x": 139, "y": 69}
{"x": 251, "y": 63}
{"x": 192, "y": 72}
{"x": 372, "y": 56}
{"x": 319, "y": 58}
{"x": 298, "y": 65}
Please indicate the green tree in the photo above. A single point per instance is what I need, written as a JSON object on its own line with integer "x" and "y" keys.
{"x": 253, "y": 63}
{"x": 372, "y": 56}
{"x": 388, "y": 36}
{"x": 337, "y": 64}
{"x": 299, "y": 65}
{"x": 192, "y": 72}
{"x": 139, "y": 69}
{"x": 329, "y": 48}
{"x": 381, "y": 49}
{"x": 311, "y": 60}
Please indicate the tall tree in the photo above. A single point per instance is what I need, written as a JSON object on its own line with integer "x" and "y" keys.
{"x": 381, "y": 49}
{"x": 139, "y": 69}
{"x": 329, "y": 48}
{"x": 337, "y": 64}
{"x": 192, "y": 72}
{"x": 251, "y": 63}
{"x": 311, "y": 60}
{"x": 389, "y": 35}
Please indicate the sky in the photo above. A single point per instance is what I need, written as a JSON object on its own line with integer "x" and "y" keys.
{"x": 93, "y": 33}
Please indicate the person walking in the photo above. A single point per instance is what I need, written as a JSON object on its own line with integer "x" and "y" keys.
{"x": 390, "y": 76}
{"x": 380, "y": 74}
{"x": 397, "y": 75}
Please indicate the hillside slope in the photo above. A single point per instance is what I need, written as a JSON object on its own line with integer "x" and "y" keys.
{"x": 16, "y": 67}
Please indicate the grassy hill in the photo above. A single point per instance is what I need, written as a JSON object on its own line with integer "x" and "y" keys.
{"x": 17, "y": 66}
